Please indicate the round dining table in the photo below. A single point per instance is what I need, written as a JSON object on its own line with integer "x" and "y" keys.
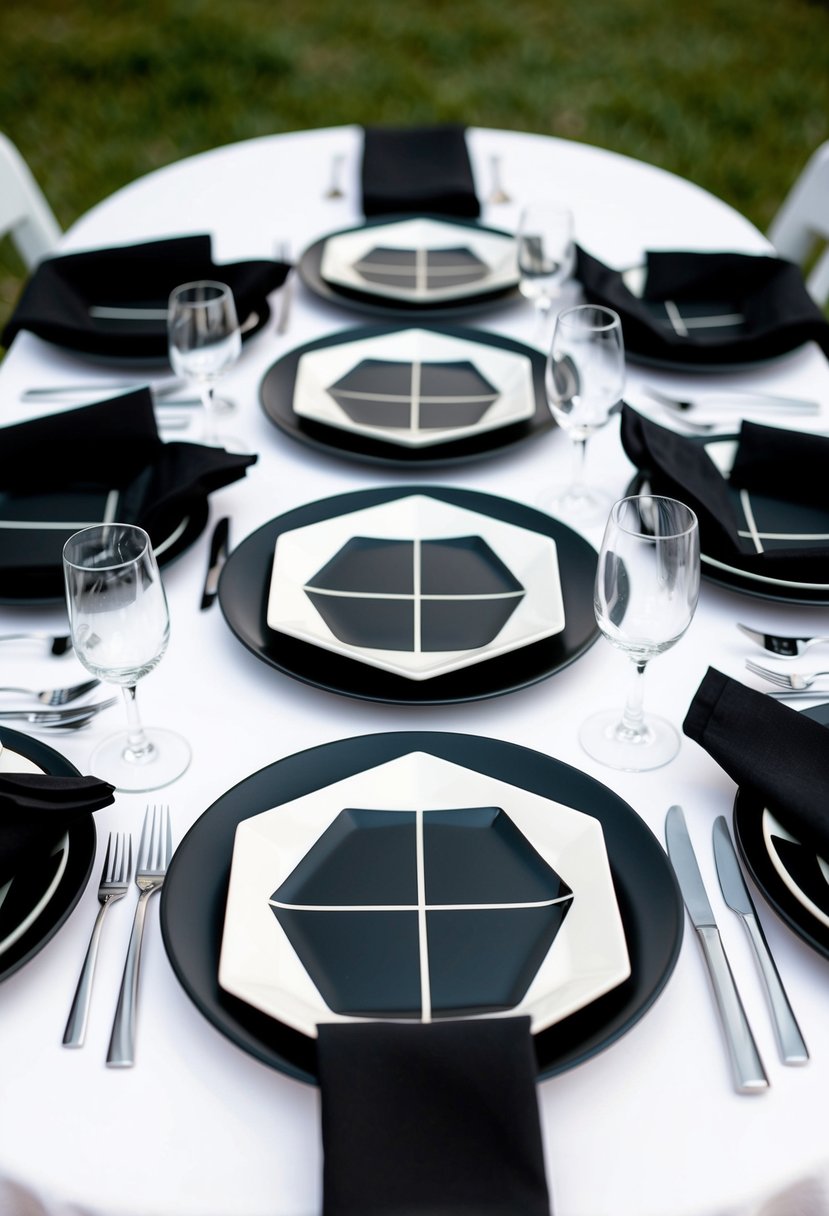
{"x": 650, "y": 1126}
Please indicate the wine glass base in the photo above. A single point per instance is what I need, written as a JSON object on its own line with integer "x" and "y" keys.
{"x": 168, "y": 759}
{"x": 228, "y": 442}
{"x": 577, "y": 504}
{"x": 223, "y": 406}
{"x": 604, "y": 738}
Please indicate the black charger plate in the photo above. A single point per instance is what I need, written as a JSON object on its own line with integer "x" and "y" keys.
{"x": 309, "y": 268}
{"x": 243, "y": 595}
{"x": 276, "y": 393}
{"x": 82, "y": 841}
{"x": 195, "y": 891}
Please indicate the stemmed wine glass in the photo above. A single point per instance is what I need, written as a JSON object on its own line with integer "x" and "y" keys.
{"x": 585, "y": 376}
{"x": 546, "y": 256}
{"x": 647, "y": 584}
{"x": 204, "y": 342}
{"x": 120, "y": 629}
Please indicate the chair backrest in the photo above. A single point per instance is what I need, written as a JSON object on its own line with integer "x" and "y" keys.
{"x": 25, "y": 215}
{"x": 802, "y": 223}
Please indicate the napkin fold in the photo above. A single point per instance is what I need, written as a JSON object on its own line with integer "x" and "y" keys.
{"x": 761, "y": 518}
{"x": 437, "y": 1119}
{"x": 418, "y": 170}
{"x": 36, "y": 809}
{"x": 82, "y": 466}
{"x": 768, "y": 748}
{"x": 56, "y": 300}
{"x": 768, "y": 293}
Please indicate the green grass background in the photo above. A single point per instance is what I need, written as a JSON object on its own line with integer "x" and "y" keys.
{"x": 733, "y": 94}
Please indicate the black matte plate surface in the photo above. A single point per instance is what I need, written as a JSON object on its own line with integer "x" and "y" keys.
{"x": 82, "y": 840}
{"x": 22, "y": 591}
{"x": 748, "y": 830}
{"x": 194, "y": 893}
{"x": 310, "y": 264}
{"x": 734, "y": 580}
{"x": 245, "y": 581}
{"x": 276, "y": 394}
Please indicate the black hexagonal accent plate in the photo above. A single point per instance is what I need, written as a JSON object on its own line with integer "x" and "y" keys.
{"x": 384, "y": 898}
{"x": 448, "y": 594}
{"x": 414, "y": 396}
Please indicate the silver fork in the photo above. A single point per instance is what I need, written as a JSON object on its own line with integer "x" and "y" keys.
{"x": 58, "y": 645}
{"x": 286, "y": 291}
{"x": 785, "y": 679}
{"x": 115, "y": 882}
{"x": 783, "y": 645}
{"x": 154, "y": 852}
{"x": 497, "y": 194}
{"x": 69, "y": 715}
{"x": 56, "y": 696}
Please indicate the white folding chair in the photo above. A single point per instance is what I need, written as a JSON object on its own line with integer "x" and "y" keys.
{"x": 25, "y": 215}
{"x": 802, "y": 223}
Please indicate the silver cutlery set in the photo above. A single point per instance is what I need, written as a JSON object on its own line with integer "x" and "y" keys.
{"x": 155, "y": 850}
{"x": 786, "y": 683}
{"x": 56, "y": 708}
{"x": 747, "y": 1067}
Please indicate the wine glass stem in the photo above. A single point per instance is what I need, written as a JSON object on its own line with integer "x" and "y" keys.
{"x": 210, "y": 434}
{"x": 138, "y": 749}
{"x": 579, "y": 462}
{"x": 632, "y": 726}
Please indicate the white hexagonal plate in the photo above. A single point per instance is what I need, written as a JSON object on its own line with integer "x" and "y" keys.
{"x": 258, "y": 963}
{"x": 528, "y": 556}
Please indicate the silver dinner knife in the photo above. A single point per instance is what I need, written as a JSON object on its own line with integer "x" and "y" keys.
{"x": 749, "y": 1074}
{"x": 215, "y": 562}
{"x": 735, "y": 892}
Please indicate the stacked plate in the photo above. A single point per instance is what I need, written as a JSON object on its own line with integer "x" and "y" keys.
{"x": 413, "y": 266}
{"x": 420, "y": 876}
{"x": 792, "y": 877}
{"x": 39, "y": 898}
{"x": 413, "y": 594}
{"x": 409, "y": 396}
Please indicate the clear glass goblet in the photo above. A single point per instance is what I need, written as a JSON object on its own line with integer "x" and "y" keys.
{"x": 546, "y": 256}
{"x": 585, "y": 378}
{"x": 647, "y": 584}
{"x": 204, "y": 342}
{"x": 120, "y": 628}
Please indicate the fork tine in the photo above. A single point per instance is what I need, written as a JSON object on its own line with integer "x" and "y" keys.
{"x": 774, "y": 677}
{"x": 109, "y": 859}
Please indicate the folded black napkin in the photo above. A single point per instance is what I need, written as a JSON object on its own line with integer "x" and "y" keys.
{"x": 56, "y": 300}
{"x": 431, "y": 1120}
{"x": 36, "y": 809}
{"x": 778, "y": 314}
{"x": 81, "y": 466}
{"x": 761, "y": 517}
{"x": 769, "y": 749}
{"x": 418, "y": 170}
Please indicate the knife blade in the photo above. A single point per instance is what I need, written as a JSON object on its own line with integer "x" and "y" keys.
{"x": 747, "y": 1067}
{"x": 218, "y": 557}
{"x": 793, "y": 1049}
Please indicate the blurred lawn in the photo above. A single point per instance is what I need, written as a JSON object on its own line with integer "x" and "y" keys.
{"x": 733, "y": 94}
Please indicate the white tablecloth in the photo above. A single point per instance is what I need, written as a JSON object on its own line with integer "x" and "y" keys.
{"x": 650, "y": 1127}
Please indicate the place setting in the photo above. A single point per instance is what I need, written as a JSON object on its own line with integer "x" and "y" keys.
{"x": 414, "y": 594}
{"x": 414, "y": 397}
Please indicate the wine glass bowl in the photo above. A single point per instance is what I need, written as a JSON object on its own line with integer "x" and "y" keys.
{"x": 646, "y": 590}
{"x": 204, "y": 341}
{"x": 584, "y": 380}
{"x": 120, "y": 628}
{"x": 546, "y": 255}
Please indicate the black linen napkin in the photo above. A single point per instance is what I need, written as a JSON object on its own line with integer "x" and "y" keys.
{"x": 769, "y": 749}
{"x": 778, "y": 479}
{"x": 56, "y": 300}
{"x": 417, "y": 170}
{"x": 36, "y": 809}
{"x": 64, "y": 469}
{"x": 769, "y": 293}
{"x": 431, "y": 1120}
